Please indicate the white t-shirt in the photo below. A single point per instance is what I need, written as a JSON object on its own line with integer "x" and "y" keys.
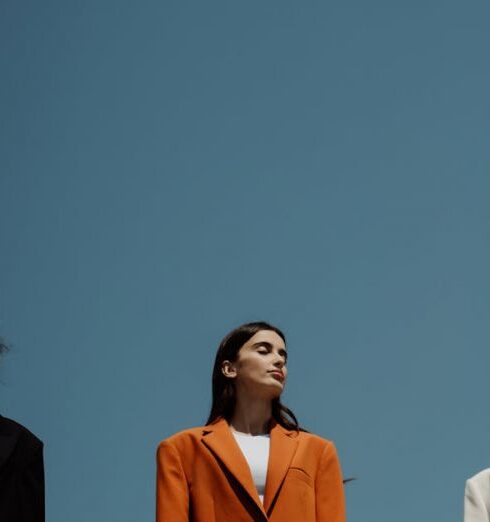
{"x": 256, "y": 451}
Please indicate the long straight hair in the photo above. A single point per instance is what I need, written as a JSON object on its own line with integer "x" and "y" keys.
{"x": 224, "y": 392}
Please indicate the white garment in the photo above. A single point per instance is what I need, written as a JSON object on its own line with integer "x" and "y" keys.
{"x": 256, "y": 451}
{"x": 477, "y": 498}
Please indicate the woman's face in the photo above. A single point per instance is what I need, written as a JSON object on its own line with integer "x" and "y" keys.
{"x": 260, "y": 366}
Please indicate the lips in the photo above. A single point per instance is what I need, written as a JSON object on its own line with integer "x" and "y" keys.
{"x": 277, "y": 375}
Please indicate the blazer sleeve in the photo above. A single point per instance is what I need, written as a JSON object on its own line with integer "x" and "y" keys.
{"x": 329, "y": 488}
{"x": 172, "y": 489}
{"x": 474, "y": 505}
{"x": 31, "y": 489}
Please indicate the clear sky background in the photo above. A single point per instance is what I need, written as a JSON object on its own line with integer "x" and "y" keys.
{"x": 170, "y": 170}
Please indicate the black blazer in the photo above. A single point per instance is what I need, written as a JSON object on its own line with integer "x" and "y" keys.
{"x": 21, "y": 474}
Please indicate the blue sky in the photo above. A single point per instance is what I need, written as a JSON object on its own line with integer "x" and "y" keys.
{"x": 170, "y": 170}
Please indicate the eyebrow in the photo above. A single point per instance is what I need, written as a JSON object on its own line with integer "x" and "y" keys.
{"x": 269, "y": 345}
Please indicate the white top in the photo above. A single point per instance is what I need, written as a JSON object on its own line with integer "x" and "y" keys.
{"x": 477, "y": 498}
{"x": 256, "y": 451}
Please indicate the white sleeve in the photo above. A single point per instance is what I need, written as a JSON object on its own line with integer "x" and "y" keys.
{"x": 474, "y": 504}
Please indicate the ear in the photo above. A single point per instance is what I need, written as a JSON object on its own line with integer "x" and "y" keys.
{"x": 228, "y": 369}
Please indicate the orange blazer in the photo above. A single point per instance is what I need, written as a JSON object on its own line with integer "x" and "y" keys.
{"x": 203, "y": 476}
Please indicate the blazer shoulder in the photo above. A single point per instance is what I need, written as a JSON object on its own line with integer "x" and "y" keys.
{"x": 12, "y": 428}
{"x": 482, "y": 477}
{"x": 314, "y": 439}
{"x": 183, "y": 437}
{"x": 317, "y": 445}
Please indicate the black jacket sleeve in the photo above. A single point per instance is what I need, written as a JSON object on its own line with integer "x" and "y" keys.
{"x": 31, "y": 489}
{"x": 21, "y": 474}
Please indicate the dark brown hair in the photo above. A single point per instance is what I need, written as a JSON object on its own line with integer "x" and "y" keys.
{"x": 224, "y": 398}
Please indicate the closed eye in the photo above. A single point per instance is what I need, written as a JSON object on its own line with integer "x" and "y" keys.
{"x": 265, "y": 348}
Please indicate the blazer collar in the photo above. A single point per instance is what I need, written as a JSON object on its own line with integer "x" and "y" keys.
{"x": 283, "y": 443}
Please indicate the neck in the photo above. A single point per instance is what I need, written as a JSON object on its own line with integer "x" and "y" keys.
{"x": 252, "y": 415}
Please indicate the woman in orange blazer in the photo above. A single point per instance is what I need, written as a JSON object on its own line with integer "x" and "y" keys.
{"x": 205, "y": 475}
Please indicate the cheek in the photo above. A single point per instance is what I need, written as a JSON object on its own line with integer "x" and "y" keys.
{"x": 253, "y": 367}
{"x": 257, "y": 365}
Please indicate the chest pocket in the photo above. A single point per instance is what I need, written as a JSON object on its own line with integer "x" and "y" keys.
{"x": 301, "y": 475}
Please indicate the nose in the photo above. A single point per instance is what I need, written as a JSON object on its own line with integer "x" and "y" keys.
{"x": 279, "y": 362}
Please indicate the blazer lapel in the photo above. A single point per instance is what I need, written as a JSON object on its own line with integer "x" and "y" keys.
{"x": 219, "y": 439}
{"x": 282, "y": 449}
